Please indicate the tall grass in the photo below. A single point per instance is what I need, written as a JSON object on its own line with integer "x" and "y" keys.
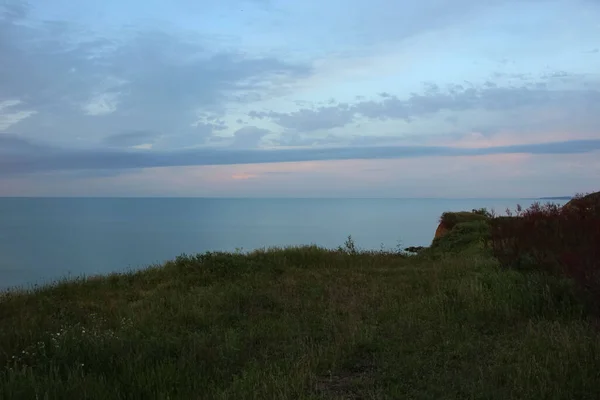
{"x": 305, "y": 323}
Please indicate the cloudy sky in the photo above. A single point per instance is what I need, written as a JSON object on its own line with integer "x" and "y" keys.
{"x": 361, "y": 98}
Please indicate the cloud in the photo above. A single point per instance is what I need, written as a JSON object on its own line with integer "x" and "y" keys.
{"x": 130, "y": 139}
{"x": 243, "y": 176}
{"x": 8, "y": 117}
{"x": 36, "y": 158}
{"x": 248, "y": 137}
{"x": 102, "y": 82}
{"x": 488, "y": 97}
{"x": 101, "y": 104}
{"x": 14, "y": 145}
{"x": 307, "y": 120}
{"x": 512, "y": 175}
{"x": 107, "y": 90}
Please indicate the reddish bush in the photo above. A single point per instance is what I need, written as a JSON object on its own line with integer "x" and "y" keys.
{"x": 557, "y": 239}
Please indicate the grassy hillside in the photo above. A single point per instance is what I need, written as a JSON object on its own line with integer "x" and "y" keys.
{"x": 306, "y": 323}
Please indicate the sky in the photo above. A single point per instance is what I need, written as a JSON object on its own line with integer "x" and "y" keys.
{"x": 274, "y": 98}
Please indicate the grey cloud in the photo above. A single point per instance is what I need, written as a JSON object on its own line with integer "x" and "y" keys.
{"x": 556, "y": 74}
{"x": 138, "y": 79}
{"x": 389, "y": 107}
{"x": 202, "y": 133}
{"x": 68, "y": 160}
{"x": 13, "y": 10}
{"x": 127, "y": 139}
{"x": 15, "y": 145}
{"x": 84, "y": 174}
{"x": 292, "y": 138}
{"x": 218, "y": 125}
{"x": 248, "y": 137}
{"x": 298, "y": 140}
{"x": 43, "y": 66}
{"x": 373, "y": 169}
{"x": 207, "y": 128}
{"x": 158, "y": 75}
{"x": 517, "y": 76}
{"x": 277, "y": 173}
{"x": 488, "y": 97}
{"x": 491, "y": 98}
{"x": 310, "y": 119}
{"x": 452, "y": 119}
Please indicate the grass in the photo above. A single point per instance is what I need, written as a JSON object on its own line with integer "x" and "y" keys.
{"x": 305, "y": 323}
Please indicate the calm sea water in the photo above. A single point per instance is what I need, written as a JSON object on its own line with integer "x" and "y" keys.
{"x": 42, "y": 240}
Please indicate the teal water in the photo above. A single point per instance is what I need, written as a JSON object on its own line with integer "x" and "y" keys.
{"x": 44, "y": 239}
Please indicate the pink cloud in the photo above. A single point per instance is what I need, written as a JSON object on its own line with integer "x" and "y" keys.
{"x": 500, "y": 175}
{"x": 243, "y": 176}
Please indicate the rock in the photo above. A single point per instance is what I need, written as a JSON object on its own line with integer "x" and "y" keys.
{"x": 441, "y": 230}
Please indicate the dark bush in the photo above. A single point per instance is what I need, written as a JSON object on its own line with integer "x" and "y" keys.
{"x": 415, "y": 249}
{"x": 563, "y": 240}
{"x": 451, "y": 219}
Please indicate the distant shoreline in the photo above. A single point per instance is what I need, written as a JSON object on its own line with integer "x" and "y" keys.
{"x": 556, "y": 198}
{"x": 272, "y": 198}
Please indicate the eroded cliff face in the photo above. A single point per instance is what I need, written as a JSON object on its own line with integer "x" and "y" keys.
{"x": 441, "y": 230}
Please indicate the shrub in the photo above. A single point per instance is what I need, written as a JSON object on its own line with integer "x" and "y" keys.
{"x": 415, "y": 249}
{"x": 564, "y": 240}
{"x": 484, "y": 212}
{"x": 451, "y": 219}
{"x": 462, "y": 236}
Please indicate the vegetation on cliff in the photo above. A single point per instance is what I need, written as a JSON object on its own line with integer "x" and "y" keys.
{"x": 563, "y": 241}
{"x": 448, "y": 322}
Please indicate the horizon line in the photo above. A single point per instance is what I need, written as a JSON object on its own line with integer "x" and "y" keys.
{"x": 288, "y": 197}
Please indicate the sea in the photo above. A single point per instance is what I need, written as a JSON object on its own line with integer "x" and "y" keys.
{"x": 47, "y": 239}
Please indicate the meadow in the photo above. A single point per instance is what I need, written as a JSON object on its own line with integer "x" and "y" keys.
{"x": 450, "y": 321}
